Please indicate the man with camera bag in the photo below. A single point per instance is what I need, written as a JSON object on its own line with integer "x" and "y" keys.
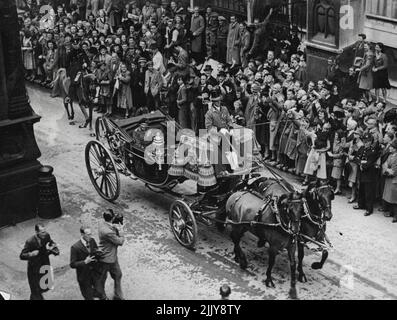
{"x": 84, "y": 255}
{"x": 111, "y": 236}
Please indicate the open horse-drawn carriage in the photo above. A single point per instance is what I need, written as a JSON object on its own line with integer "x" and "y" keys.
{"x": 146, "y": 148}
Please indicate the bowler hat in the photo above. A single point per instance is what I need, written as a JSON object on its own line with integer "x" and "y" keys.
{"x": 216, "y": 95}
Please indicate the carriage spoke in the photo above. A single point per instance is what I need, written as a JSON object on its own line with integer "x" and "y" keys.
{"x": 176, "y": 214}
{"x": 110, "y": 188}
{"x": 106, "y": 187}
{"x": 93, "y": 165}
{"x": 101, "y": 183}
{"x": 95, "y": 156}
{"x": 95, "y": 162}
{"x": 112, "y": 182}
{"x": 180, "y": 234}
{"x": 189, "y": 234}
{"x": 179, "y": 212}
{"x": 99, "y": 154}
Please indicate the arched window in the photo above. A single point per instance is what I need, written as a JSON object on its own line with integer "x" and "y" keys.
{"x": 324, "y": 21}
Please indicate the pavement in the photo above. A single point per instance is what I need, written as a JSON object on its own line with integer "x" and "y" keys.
{"x": 361, "y": 266}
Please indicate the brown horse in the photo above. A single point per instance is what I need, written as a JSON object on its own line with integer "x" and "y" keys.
{"x": 318, "y": 198}
{"x": 272, "y": 214}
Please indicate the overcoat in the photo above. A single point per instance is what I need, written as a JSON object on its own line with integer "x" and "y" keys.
{"x": 197, "y": 27}
{"x": 233, "y": 44}
{"x": 390, "y": 190}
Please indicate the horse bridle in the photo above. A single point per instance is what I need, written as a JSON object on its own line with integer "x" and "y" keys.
{"x": 321, "y": 223}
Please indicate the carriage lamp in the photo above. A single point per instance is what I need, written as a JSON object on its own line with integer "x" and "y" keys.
{"x": 158, "y": 144}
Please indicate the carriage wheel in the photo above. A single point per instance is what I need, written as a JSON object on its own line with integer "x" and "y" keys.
{"x": 100, "y": 130}
{"x": 183, "y": 224}
{"x": 102, "y": 171}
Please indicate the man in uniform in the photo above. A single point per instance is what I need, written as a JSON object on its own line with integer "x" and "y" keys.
{"x": 367, "y": 158}
{"x": 218, "y": 122}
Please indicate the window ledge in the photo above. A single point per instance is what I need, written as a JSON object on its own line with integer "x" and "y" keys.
{"x": 383, "y": 18}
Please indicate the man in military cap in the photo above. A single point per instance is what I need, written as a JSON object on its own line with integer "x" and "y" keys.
{"x": 367, "y": 158}
{"x": 218, "y": 120}
{"x": 218, "y": 117}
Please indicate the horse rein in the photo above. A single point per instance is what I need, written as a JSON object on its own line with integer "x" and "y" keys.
{"x": 321, "y": 223}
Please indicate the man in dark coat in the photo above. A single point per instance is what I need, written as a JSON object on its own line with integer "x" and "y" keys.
{"x": 83, "y": 256}
{"x": 368, "y": 158}
{"x": 36, "y": 251}
{"x": 210, "y": 79}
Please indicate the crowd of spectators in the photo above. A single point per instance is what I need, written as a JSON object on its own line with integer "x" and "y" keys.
{"x": 175, "y": 59}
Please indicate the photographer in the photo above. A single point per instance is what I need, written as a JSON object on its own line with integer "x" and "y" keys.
{"x": 36, "y": 251}
{"x": 111, "y": 236}
{"x": 83, "y": 257}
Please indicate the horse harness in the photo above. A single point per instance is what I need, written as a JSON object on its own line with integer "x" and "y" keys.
{"x": 321, "y": 223}
{"x": 273, "y": 202}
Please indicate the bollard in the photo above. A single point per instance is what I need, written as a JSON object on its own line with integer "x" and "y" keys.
{"x": 49, "y": 204}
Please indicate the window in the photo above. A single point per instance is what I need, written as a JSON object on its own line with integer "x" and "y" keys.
{"x": 299, "y": 13}
{"x": 382, "y": 8}
{"x": 324, "y": 19}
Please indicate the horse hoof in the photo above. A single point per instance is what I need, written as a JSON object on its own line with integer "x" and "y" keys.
{"x": 243, "y": 266}
{"x": 317, "y": 266}
{"x": 292, "y": 293}
{"x": 302, "y": 278}
{"x": 269, "y": 283}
